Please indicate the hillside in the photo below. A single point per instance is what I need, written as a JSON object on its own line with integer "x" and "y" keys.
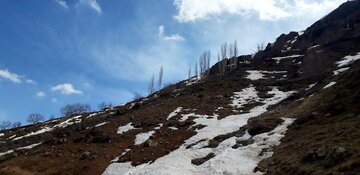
{"x": 292, "y": 108}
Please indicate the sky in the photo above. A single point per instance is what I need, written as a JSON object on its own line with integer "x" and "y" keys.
{"x": 58, "y": 52}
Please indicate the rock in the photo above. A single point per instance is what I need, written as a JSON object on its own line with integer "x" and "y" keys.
{"x": 85, "y": 155}
{"x": 151, "y": 143}
{"x": 260, "y": 125}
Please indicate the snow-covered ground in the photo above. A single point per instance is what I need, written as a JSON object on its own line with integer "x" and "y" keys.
{"x": 174, "y": 113}
{"x": 142, "y": 137}
{"x": 227, "y": 160}
{"x": 329, "y": 85}
{"x": 278, "y": 59}
{"x": 254, "y": 75}
{"x": 125, "y": 128}
{"x": 348, "y": 60}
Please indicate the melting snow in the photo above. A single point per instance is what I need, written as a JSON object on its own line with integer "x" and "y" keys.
{"x": 126, "y": 128}
{"x": 158, "y": 127}
{"x": 30, "y": 146}
{"x": 173, "y": 128}
{"x": 348, "y": 60}
{"x": 2, "y": 134}
{"x": 7, "y": 152}
{"x": 142, "y": 137}
{"x": 174, "y": 113}
{"x": 69, "y": 122}
{"x": 242, "y": 160}
{"x": 241, "y": 98}
{"x": 43, "y": 130}
{"x": 313, "y": 47}
{"x": 254, "y": 75}
{"x": 278, "y": 59}
{"x": 310, "y": 86}
{"x": 337, "y": 72}
{"x": 100, "y": 124}
{"x": 330, "y": 84}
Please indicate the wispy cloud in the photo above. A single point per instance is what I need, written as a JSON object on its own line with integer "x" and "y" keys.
{"x": 191, "y": 11}
{"x": 5, "y": 74}
{"x": 93, "y": 4}
{"x": 62, "y": 3}
{"x": 30, "y": 81}
{"x": 40, "y": 94}
{"x": 172, "y": 37}
{"x": 66, "y": 89}
{"x": 54, "y": 100}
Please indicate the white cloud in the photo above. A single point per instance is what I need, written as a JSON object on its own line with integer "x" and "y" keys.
{"x": 62, "y": 3}
{"x": 93, "y": 4}
{"x": 54, "y": 100}
{"x": 172, "y": 37}
{"x": 30, "y": 81}
{"x": 66, "y": 88}
{"x": 193, "y": 10}
{"x": 10, "y": 76}
{"x": 40, "y": 94}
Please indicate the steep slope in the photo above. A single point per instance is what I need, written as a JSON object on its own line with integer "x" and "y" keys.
{"x": 292, "y": 107}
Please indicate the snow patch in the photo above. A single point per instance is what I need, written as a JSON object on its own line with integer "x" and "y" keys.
{"x": 310, "y": 86}
{"x": 41, "y": 131}
{"x": 125, "y": 128}
{"x": 254, "y": 75}
{"x": 243, "y": 97}
{"x": 142, "y": 137}
{"x": 278, "y": 59}
{"x": 338, "y": 71}
{"x": 29, "y": 147}
{"x": 174, "y": 113}
{"x": 348, "y": 60}
{"x": 100, "y": 124}
{"x": 330, "y": 84}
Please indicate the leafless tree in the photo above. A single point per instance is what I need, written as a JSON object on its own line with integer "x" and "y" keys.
{"x": 75, "y": 109}
{"x": 235, "y": 49}
{"x": 35, "y": 118}
{"x": 137, "y": 95}
{"x": 231, "y": 50}
{"x": 104, "y": 105}
{"x": 151, "y": 88}
{"x": 196, "y": 70}
{"x": 260, "y": 47}
{"x": 189, "y": 72}
{"x": 219, "y": 64}
{"x": 223, "y": 51}
{"x": 16, "y": 124}
{"x": 160, "y": 78}
{"x": 5, "y": 125}
{"x": 208, "y": 57}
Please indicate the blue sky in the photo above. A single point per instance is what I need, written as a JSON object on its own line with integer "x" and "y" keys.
{"x": 56, "y": 52}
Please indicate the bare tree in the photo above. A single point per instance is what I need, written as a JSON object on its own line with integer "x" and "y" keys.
{"x": 219, "y": 64}
{"x": 260, "y": 47}
{"x": 75, "y": 109}
{"x": 5, "y": 125}
{"x": 137, "y": 95}
{"x": 35, "y": 118}
{"x": 235, "y": 49}
{"x": 16, "y": 124}
{"x": 223, "y": 51}
{"x": 189, "y": 72}
{"x": 104, "y": 105}
{"x": 151, "y": 88}
{"x": 231, "y": 50}
{"x": 160, "y": 78}
{"x": 208, "y": 57}
{"x": 196, "y": 70}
